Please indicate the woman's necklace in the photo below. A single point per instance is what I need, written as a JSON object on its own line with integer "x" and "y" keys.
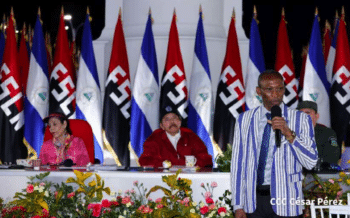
{"x": 62, "y": 148}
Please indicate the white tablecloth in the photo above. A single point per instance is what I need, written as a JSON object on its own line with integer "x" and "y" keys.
{"x": 12, "y": 181}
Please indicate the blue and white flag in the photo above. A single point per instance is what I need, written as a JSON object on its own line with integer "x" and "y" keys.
{"x": 316, "y": 87}
{"x": 200, "y": 94}
{"x": 331, "y": 54}
{"x": 89, "y": 103}
{"x": 256, "y": 65}
{"x": 36, "y": 104}
{"x": 145, "y": 99}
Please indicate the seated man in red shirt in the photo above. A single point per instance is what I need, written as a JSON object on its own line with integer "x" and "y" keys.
{"x": 172, "y": 142}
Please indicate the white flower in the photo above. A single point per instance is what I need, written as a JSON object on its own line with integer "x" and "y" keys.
{"x": 113, "y": 199}
{"x": 193, "y": 210}
{"x": 112, "y": 193}
{"x": 46, "y": 193}
{"x": 120, "y": 216}
{"x": 201, "y": 204}
{"x": 222, "y": 214}
{"x": 194, "y": 204}
{"x": 128, "y": 204}
{"x": 212, "y": 213}
{"x": 124, "y": 212}
{"x": 120, "y": 191}
{"x": 41, "y": 189}
{"x": 36, "y": 188}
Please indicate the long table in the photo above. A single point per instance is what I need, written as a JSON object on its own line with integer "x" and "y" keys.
{"x": 12, "y": 181}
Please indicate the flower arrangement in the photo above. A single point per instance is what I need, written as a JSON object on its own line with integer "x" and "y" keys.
{"x": 84, "y": 198}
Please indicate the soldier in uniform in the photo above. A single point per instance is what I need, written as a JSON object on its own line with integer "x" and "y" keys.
{"x": 326, "y": 139}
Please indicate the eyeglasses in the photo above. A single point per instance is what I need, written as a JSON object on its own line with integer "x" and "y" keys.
{"x": 270, "y": 89}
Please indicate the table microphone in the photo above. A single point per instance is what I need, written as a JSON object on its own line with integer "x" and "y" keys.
{"x": 277, "y": 112}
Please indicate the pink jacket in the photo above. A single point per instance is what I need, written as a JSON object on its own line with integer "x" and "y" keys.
{"x": 76, "y": 152}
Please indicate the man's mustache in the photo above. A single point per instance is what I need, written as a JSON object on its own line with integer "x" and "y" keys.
{"x": 173, "y": 125}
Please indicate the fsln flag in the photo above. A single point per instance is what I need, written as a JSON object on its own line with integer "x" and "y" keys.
{"x": 201, "y": 94}
{"x": 62, "y": 80}
{"x": 36, "y": 104}
{"x": 230, "y": 101}
{"x": 256, "y": 65}
{"x": 331, "y": 52}
{"x": 173, "y": 93}
{"x": 145, "y": 100}
{"x": 340, "y": 92}
{"x": 117, "y": 101}
{"x": 89, "y": 102}
{"x": 11, "y": 101}
{"x": 316, "y": 87}
{"x": 24, "y": 57}
{"x": 284, "y": 65}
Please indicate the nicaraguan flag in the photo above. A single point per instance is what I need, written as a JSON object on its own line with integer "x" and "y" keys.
{"x": 331, "y": 54}
{"x": 316, "y": 87}
{"x": 145, "y": 100}
{"x": 256, "y": 65}
{"x": 89, "y": 106}
{"x": 201, "y": 96}
{"x": 36, "y": 103}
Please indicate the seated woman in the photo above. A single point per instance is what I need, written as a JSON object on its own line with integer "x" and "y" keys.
{"x": 63, "y": 147}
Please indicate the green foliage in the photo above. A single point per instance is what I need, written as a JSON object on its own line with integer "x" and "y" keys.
{"x": 224, "y": 160}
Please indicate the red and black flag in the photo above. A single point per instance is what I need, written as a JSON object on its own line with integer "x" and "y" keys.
{"x": 11, "y": 101}
{"x": 230, "y": 94}
{"x": 174, "y": 94}
{"x": 340, "y": 90}
{"x": 62, "y": 80}
{"x": 117, "y": 101}
{"x": 284, "y": 65}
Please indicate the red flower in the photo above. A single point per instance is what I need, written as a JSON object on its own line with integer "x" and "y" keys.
{"x": 204, "y": 210}
{"x": 222, "y": 210}
{"x": 30, "y": 188}
{"x": 105, "y": 203}
{"x": 114, "y": 203}
{"x": 70, "y": 195}
{"x": 97, "y": 210}
{"x": 209, "y": 201}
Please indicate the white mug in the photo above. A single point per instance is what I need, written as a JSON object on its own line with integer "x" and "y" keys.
{"x": 190, "y": 160}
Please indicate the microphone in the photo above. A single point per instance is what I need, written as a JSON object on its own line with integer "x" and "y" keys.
{"x": 68, "y": 163}
{"x": 277, "y": 112}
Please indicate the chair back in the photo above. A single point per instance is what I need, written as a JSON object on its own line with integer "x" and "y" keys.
{"x": 332, "y": 210}
{"x": 81, "y": 129}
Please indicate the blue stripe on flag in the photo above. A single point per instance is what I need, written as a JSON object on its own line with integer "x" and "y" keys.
{"x": 39, "y": 48}
{"x": 148, "y": 50}
{"x": 335, "y": 36}
{"x": 201, "y": 51}
{"x": 88, "y": 53}
{"x": 197, "y": 126}
{"x": 97, "y": 146}
{"x": 255, "y": 48}
{"x": 140, "y": 128}
{"x": 316, "y": 54}
{"x": 34, "y": 132}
